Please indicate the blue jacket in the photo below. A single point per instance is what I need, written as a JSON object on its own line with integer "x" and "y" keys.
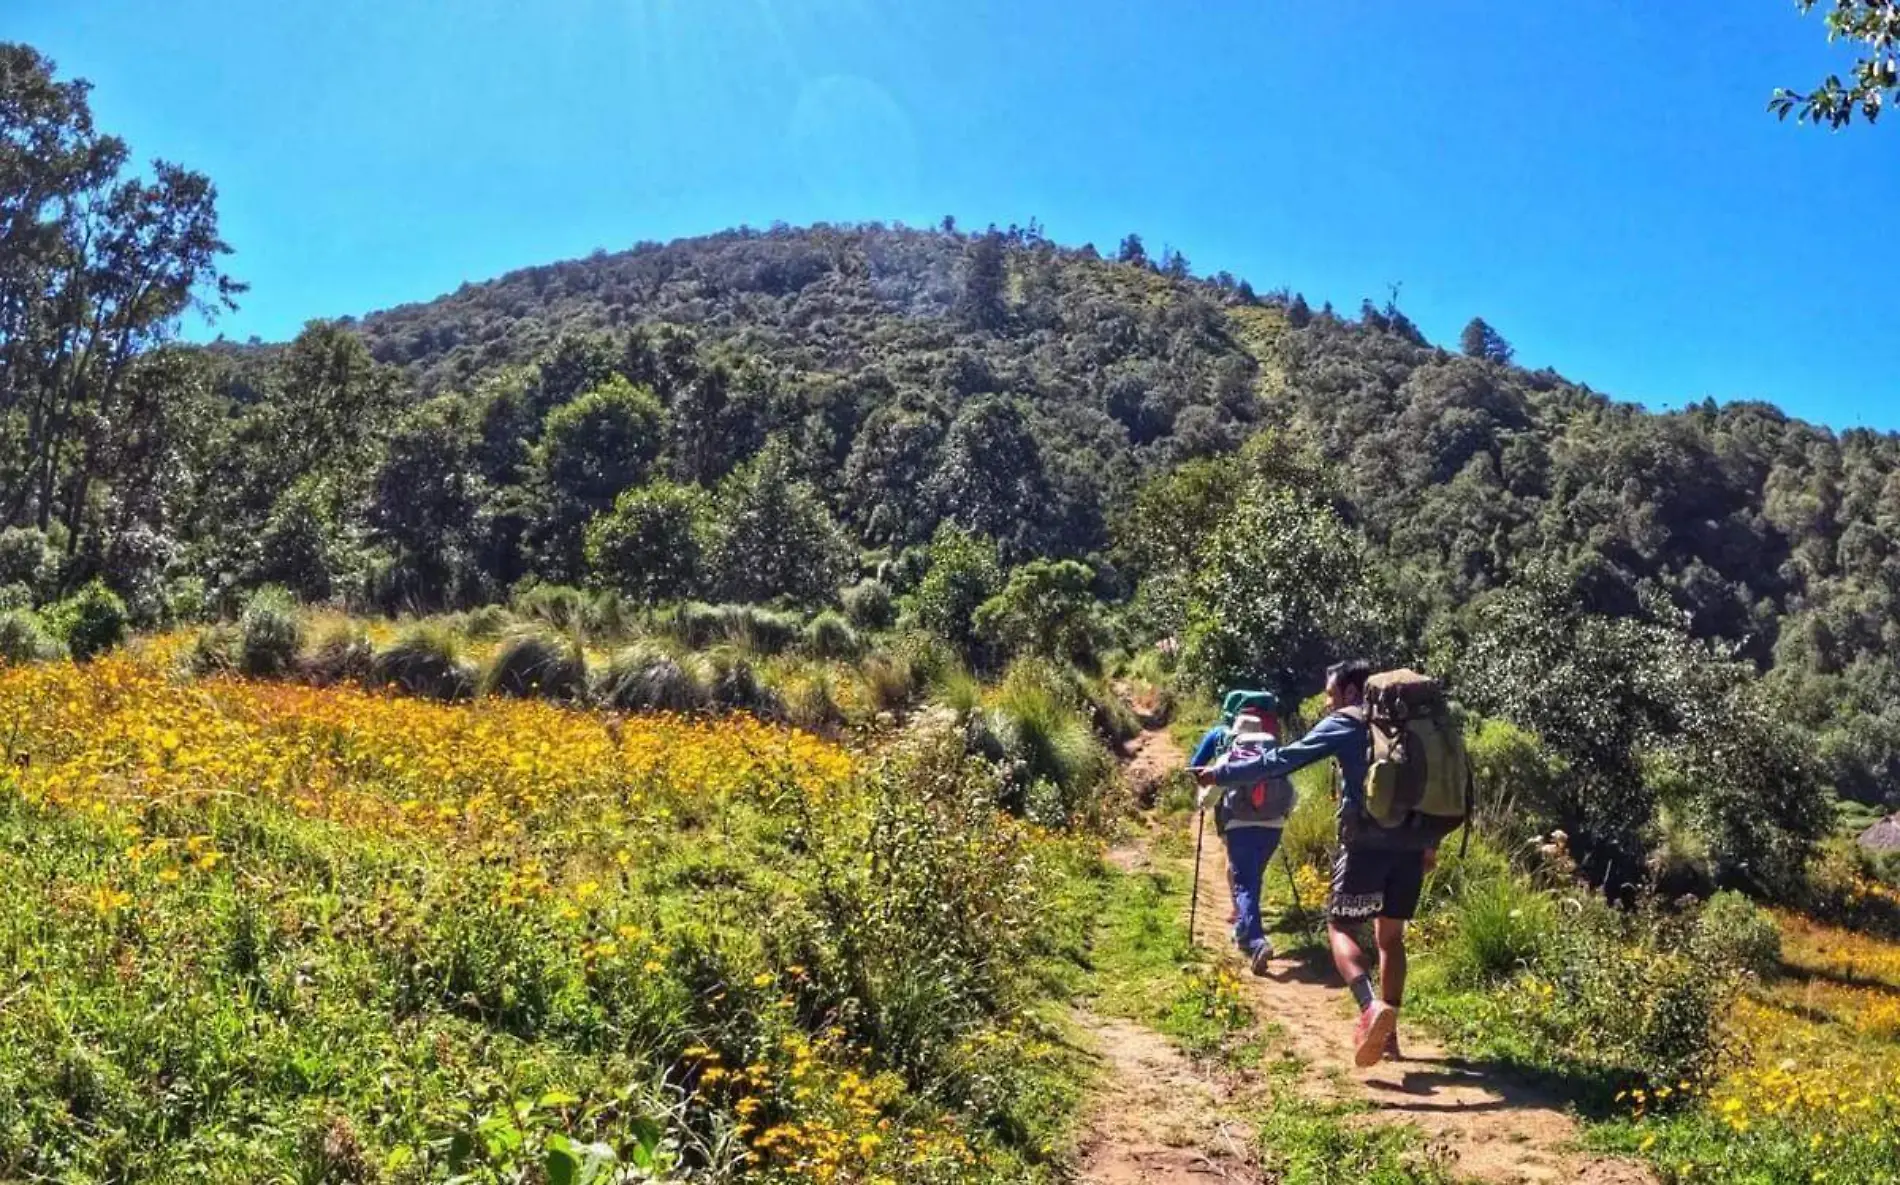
{"x": 1339, "y": 736}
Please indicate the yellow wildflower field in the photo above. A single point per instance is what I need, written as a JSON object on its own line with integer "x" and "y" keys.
{"x": 668, "y": 943}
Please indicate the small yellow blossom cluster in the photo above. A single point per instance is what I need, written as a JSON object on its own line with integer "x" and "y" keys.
{"x": 806, "y": 1114}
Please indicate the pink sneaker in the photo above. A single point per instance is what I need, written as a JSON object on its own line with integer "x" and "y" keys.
{"x": 1377, "y": 1025}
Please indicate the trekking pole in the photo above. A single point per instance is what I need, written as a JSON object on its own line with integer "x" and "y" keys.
{"x": 1292, "y": 882}
{"x": 1194, "y": 894}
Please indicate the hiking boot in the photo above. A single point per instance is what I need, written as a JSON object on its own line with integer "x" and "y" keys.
{"x": 1392, "y": 1053}
{"x": 1262, "y": 955}
{"x": 1377, "y": 1025}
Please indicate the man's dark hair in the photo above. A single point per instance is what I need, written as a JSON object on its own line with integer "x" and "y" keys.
{"x": 1351, "y": 674}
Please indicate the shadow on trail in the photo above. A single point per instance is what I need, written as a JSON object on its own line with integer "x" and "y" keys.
{"x": 1409, "y": 1085}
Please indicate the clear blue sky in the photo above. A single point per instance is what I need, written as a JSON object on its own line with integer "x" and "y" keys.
{"x": 1599, "y": 179}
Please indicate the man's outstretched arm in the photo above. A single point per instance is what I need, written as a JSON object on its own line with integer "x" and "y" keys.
{"x": 1209, "y": 748}
{"x": 1328, "y": 738}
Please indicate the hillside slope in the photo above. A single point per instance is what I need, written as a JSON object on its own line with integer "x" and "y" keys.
{"x": 1777, "y": 537}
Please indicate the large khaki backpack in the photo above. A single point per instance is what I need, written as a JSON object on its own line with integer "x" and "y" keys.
{"x": 1419, "y": 784}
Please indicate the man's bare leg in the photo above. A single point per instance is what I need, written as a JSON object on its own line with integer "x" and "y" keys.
{"x": 1390, "y": 935}
{"x": 1348, "y": 958}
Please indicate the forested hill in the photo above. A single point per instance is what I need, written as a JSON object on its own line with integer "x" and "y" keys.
{"x": 880, "y": 352}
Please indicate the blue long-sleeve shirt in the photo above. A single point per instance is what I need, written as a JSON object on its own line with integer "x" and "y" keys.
{"x": 1209, "y": 747}
{"x": 1339, "y": 736}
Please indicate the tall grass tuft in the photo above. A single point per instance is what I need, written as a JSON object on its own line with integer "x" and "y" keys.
{"x": 487, "y": 623}
{"x": 1113, "y": 720}
{"x": 342, "y": 654}
{"x": 534, "y": 664}
{"x": 425, "y": 661}
{"x": 214, "y": 650}
{"x": 732, "y": 682}
{"x": 1058, "y": 761}
{"x": 759, "y": 631}
{"x": 607, "y": 616}
{"x": 270, "y": 634}
{"x": 24, "y": 638}
{"x": 1500, "y": 927}
{"x": 1312, "y": 832}
{"x": 810, "y": 699}
{"x": 694, "y": 624}
{"x": 645, "y": 678}
{"x": 555, "y": 605}
{"x": 887, "y": 677}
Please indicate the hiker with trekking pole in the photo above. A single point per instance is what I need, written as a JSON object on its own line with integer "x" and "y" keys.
{"x": 1404, "y": 785}
{"x": 1249, "y": 819}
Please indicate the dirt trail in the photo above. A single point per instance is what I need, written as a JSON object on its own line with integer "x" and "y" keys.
{"x": 1158, "y": 1117}
{"x": 1491, "y": 1126}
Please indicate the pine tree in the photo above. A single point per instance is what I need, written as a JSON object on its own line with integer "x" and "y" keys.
{"x": 1481, "y": 341}
{"x": 980, "y": 300}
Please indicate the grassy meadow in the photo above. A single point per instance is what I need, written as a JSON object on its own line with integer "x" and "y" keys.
{"x": 265, "y": 930}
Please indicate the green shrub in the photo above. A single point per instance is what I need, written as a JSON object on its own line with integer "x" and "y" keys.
{"x": 487, "y": 622}
{"x": 1499, "y": 928}
{"x": 425, "y": 661}
{"x": 270, "y": 634}
{"x": 931, "y": 659}
{"x": 90, "y": 622}
{"x": 531, "y": 664}
{"x": 1733, "y": 931}
{"x": 24, "y": 638}
{"x": 869, "y": 605}
{"x": 829, "y": 635}
{"x": 186, "y": 600}
{"x": 25, "y": 557}
{"x": 644, "y": 678}
{"x": 1516, "y": 780}
{"x": 215, "y": 650}
{"x": 342, "y": 654}
{"x": 15, "y": 596}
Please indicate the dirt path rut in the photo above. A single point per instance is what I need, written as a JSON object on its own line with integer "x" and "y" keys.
{"x": 1491, "y": 1126}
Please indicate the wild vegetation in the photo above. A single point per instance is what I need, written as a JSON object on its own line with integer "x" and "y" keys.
{"x": 651, "y": 714}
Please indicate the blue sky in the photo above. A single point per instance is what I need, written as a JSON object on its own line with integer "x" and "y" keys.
{"x": 1598, "y": 179}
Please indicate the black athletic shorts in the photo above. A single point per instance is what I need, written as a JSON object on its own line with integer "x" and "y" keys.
{"x": 1376, "y": 883}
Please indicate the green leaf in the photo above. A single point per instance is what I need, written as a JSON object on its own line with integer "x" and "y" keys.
{"x": 562, "y": 1165}
{"x": 647, "y": 1134}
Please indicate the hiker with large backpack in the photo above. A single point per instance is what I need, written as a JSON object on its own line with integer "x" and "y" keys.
{"x": 1404, "y": 785}
{"x": 1250, "y": 818}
